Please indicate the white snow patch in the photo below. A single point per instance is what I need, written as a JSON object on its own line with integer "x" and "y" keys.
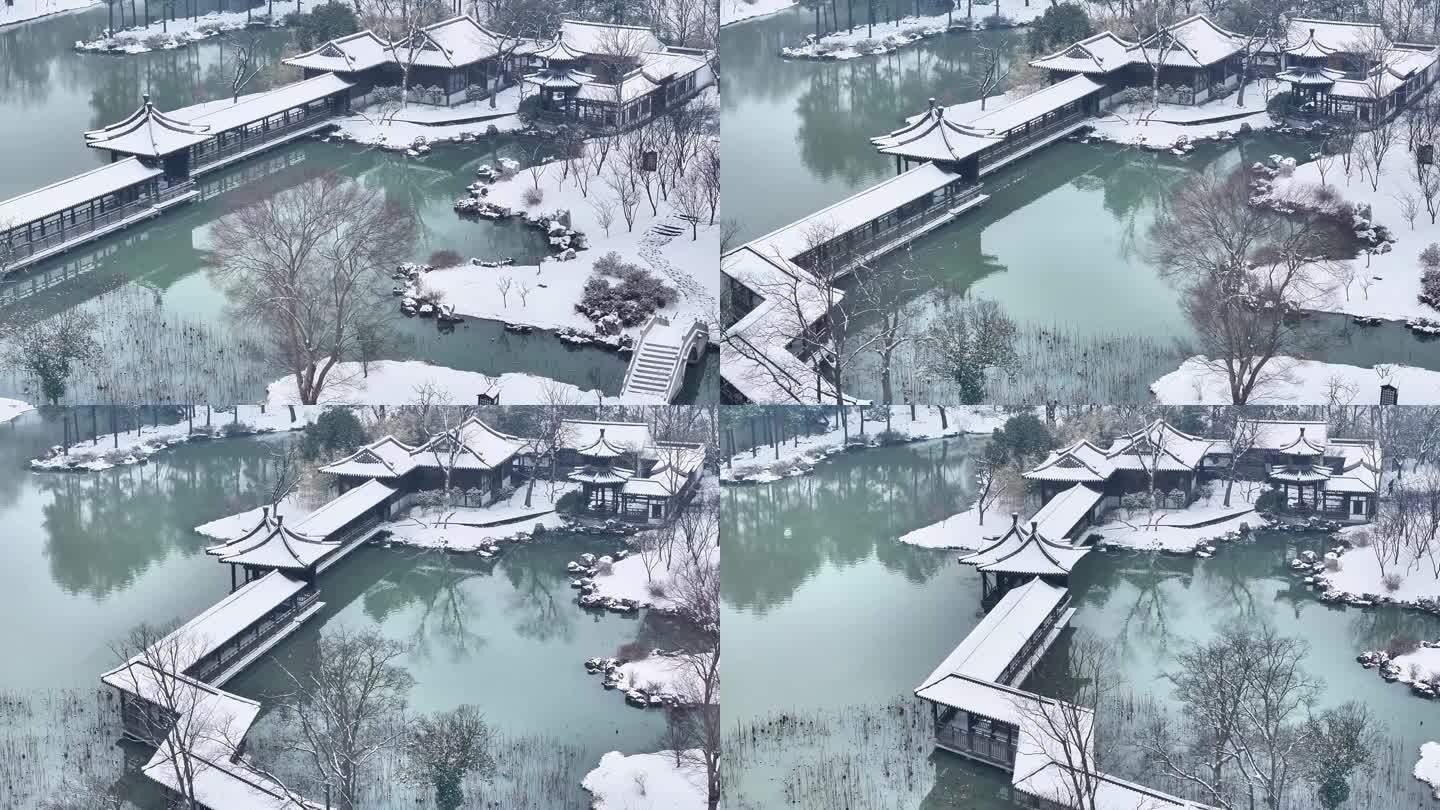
{"x": 469, "y": 528}
{"x": 1427, "y": 770}
{"x": 1167, "y": 126}
{"x": 963, "y": 530}
{"x": 12, "y": 409}
{"x": 646, "y": 782}
{"x": 733, "y": 11}
{"x": 172, "y": 34}
{"x": 398, "y": 130}
{"x": 1360, "y": 574}
{"x": 1303, "y": 381}
{"x": 887, "y": 37}
{"x": 33, "y": 9}
{"x": 397, "y": 381}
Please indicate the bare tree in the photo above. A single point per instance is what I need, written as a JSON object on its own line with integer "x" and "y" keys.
{"x": 1065, "y": 727}
{"x": 692, "y": 202}
{"x": 348, "y": 709}
{"x": 964, "y": 341}
{"x": 246, "y": 65}
{"x": 301, "y": 268}
{"x": 1244, "y": 275}
{"x": 622, "y": 181}
{"x": 993, "y": 70}
{"x": 515, "y": 23}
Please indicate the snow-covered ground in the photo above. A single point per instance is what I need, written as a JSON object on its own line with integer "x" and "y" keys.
{"x": 1170, "y": 124}
{"x": 733, "y": 11}
{"x": 24, "y": 10}
{"x": 396, "y": 381}
{"x": 797, "y": 456}
{"x": 628, "y": 579}
{"x": 963, "y": 530}
{"x": 1303, "y": 381}
{"x": 646, "y": 782}
{"x": 177, "y": 33}
{"x": 551, "y": 291}
{"x": 136, "y": 446}
{"x": 12, "y": 409}
{"x": 1427, "y": 770}
{"x": 1393, "y": 278}
{"x": 398, "y": 130}
{"x": 1421, "y": 665}
{"x": 867, "y": 40}
{"x": 668, "y": 674}
{"x": 470, "y": 528}
{"x": 1360, "y": 573}
{"x": 1174, "y": 530}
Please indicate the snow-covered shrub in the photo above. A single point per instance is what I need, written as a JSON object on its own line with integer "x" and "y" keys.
{"x": 1185, "y": 95}
{"x": 1360, "y": 539}
{"x": 827, "y": 48}
{"x": 1430, "y": 287}
{"x": 999, "y": 21}
{"x": 1430, "y": 257}
{"x": 1393, "y": 581}
{"x": 1332, "y": 562}
{"x": 656, "y": 589}
{"x": 444, "y": 258}
{"x": 604, "y": 568}
{"x": 237, "y": 429}
{"x": 475, "y": 92}
{"x": 891, "y": 437}
{"x": 1131, "y": 95}
{"x": 866, "y": 45}
{"x": 157, "y": 42}
{"x": 533, "y": 196}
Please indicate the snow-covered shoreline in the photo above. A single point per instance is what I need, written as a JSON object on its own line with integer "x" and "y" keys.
{"x": 1190, "y": 530}
{"x": 1427, "y": 770}
{"x": 391, "y": 381}
{"x": 660, "y": 679}
{"x": 27, "y": 10}
{"x": 1302, "y": 381}
{"x": 798, "y": 456}
{"x": 169, "y": 35}
{"x": 12, "y": 409}
{"x": 134, "y": 447}
{"x": 734, "y": 11}
{"x": 887, "y": 37}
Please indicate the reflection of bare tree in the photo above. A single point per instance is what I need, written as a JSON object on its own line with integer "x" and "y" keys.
{"x": 1147, "y": 616}
{"x": 536, "y": 606}
{"x": 437, "y": 586}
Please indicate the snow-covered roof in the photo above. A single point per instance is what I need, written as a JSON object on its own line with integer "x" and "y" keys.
{"x": 1024, "y": 550}
{"x": 559, "y": 80}
{"x": 340, "y": 511}
{"x": 361, "y": 50}
{"x": 481, "y": 447}
{"x": 1360, "y": 483}
{"x": 559, "y": 50}
{"x": 1355, "y": 453}
{"x": 1196, "y": 41}
{"x": 1397, "y": 66}
{"x": 1159, "y": 446}
{"x": 1000, "y": 636}
{"x": 1034, "y": 105}
{"x": 1099, "y": 53}
{"x": 582, "y": 433}
{"x": 659, "y": 484}
{"x": 852, "y": 212}
{"x": 278, "y": 548}
{"x": 1056, "y": 780}
{"x": 602, "y": 448}
{"x": 1299, "y": 475}
{"x": 225, "y": 620}
{"x": 632, "y": 86}
{"x": 1312, "y": 38}
{"x": 597, "y": 39}
{"x": 933, "y": 136}
{"x": 150, "y": 133}
{"x": 1060, "y": 514}
{"x": 1275, "y": 434}
{"x": 602, "y": 476}
{"x": 669, "y": 63}
{"x": 1080, "y": 462}
{"x": 387, "y": 457}
{"x": 456, "y": 42}
{"x": 1310, "y": 77}
{"x": 78, "y": 190}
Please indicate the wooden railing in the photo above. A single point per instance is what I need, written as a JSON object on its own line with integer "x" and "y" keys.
{"x": 249, "y": 141}
{"x": 25, "y": 250}
{"x": 1011, "y": 145}
{"x": 857, "y": 250}
{"x": 977, "y": 744}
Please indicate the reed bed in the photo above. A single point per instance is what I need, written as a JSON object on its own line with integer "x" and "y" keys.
{"x": 53, "y": 737}
{"x": 869, "y": 757}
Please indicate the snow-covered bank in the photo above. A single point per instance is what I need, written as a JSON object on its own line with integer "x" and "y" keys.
{"x": 12, "y": 409}
{"x": 133, "y": 447}
{"x": 481, "y": 529}
{"x": 887, "y": 37}
{"x": 1178, "y": 530}
{"x": 663, "y": 678}
{"x": 1360, "y": 572}
{"x": 963, "y": 530}
{"x": 1302, "y": 381}
{"x": 798, "y": 455}
{"x": 172, "y": 34}
{"x": 394, "y": 381}
{"x": 733, "y": 11}
{"x": 23, "y": 10}
{"x": 659, "y": 240}
{"x": 459, "y": 123}
{"x": 1171, "y": 126}
{"x": 1427, "y": 770}
{"x": 1386, "y": 285}
{"x": 646, "y": 782}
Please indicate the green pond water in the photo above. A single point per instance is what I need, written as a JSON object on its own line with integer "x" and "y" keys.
{"x": 89, "y": 556}
{"x": 50, "y": 94}
{"x": 816, "y": 583}
{"x": 1059, "y": 242}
